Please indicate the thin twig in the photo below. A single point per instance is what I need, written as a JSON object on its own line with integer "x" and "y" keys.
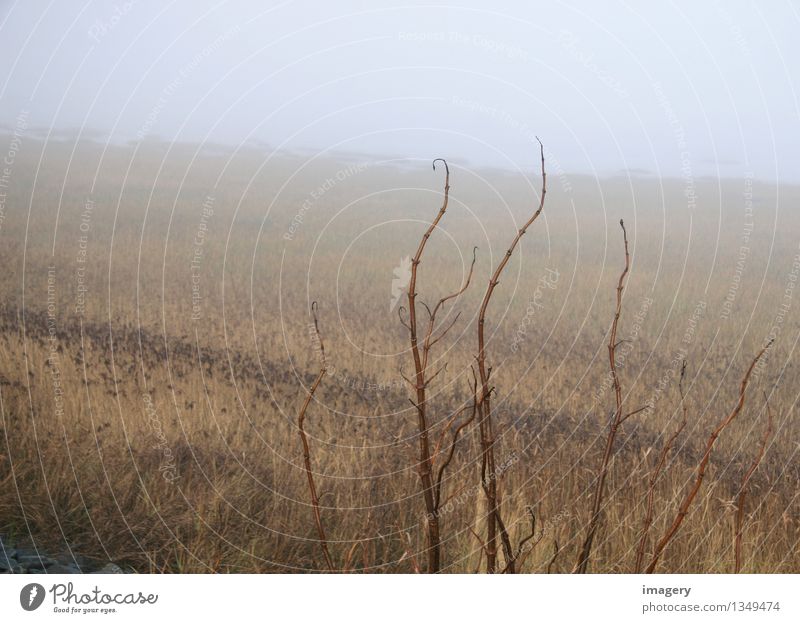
{"x": 634, "y": 412}
{"x": 521, "y": 545}
{"x": 485, "y": 421}
{"x": 428, "y": 343}
{"x": 599, "y": 492}
{"x": 744, "y": 489}
{"x": 683, "y": 509}
{"x": 400, "y": 311}
{"x": 555, "y": 555}
{"x": 312, "y": 489}
{"x": 647, "y": 522}
{"x": 453, "y": 443}
{"x": 425, "y": 465}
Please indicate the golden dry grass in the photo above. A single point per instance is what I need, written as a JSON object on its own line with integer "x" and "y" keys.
{"x": 171, "y": 441}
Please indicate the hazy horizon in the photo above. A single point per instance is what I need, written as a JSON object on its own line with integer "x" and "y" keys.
{"x": 681, "y": 91}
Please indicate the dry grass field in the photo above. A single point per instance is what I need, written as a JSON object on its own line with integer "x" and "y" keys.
{"x": 157, "y": 344}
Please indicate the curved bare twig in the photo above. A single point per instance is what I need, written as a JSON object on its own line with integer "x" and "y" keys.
{"x": 312, "y": 489}
{"x": 425, "y": 465}
{"x": 647, "y": 522}
{"x": 493, "y": 519}
{"x": 599, "y": 492}
{"x": 683, "y": 509}
{"x": 745, "y": 488}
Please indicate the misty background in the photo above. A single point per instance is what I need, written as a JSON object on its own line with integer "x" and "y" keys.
{"x": 678, "y": 89}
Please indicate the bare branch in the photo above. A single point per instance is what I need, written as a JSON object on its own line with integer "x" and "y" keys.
{"x": 553, "y": 559}
{"x": 400, "y": 316}
{"x": 627, "y": 415}
{"x": 435, "y": 374}
{"x": 463, "y": 287}
{"x": 683, "y": 510}
{"x": 521, "y": 546}
{"x": 407, "y": 380}
{"x": 744, "y": 490}
{"x": 425, "y": 466}
{"x": 478, "y": 538}
{"x": 453, "y": 443}
{"x": 445, "y": 430}
{"x": 647, "y": 522}
{"x": 428, "y": 342}
{"x": 435, "y": 340}
{"x": 484, "y": 403}
{"x": 599, "y": 492}
{"x": 306, "y": 450}
{"x": 427, "y": 309}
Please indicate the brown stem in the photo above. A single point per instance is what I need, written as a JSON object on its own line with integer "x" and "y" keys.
{"x": 599, "y": 492}
{"x": 683, "y": 509}
{"x": 448, "y": 459}
{"x": 486, "y": 433}
{"x": 312, "y": 489}
{"x": 647, "y": 522}
{"x": 555, "y": 556}
{"x": 420, "y": 383}
{"x": 517, "y": 556}
{"x": 743, "y": 490}
{"x": 429, "y": 340}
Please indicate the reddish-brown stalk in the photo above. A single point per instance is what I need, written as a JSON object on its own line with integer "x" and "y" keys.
{"x": 453, "y": 442}
{"x": 647, "y": 522}
{"x": 616, "y": 421}
{"x": 683, "y": 509}
{"x": 312, "y": 489}
{"x": 493, "y": 519}
{"x": 555, "y": 556}
{"x": 421, "y": 381}
{"x": 743, "y": 490}
{"x": 525, "y": 546}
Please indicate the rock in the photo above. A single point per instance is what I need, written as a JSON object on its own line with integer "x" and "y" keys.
{"x": 73, "y": 560}
{"x": 109, "y": 568}
{"x": 35, "y": 562}
{"x": 66, "y": 561}
{"x": 58, "y": 568}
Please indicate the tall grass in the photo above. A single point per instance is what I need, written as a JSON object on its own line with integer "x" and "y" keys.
{"x": 135, "y": 432}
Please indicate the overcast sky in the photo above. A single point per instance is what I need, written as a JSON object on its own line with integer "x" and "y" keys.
{"x": 672, "y": 88}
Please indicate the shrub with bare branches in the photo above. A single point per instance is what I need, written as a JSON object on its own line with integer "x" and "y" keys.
{"x": 431, "y": 488}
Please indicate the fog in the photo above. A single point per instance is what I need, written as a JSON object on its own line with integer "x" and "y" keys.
{"x": 679, "y": 89}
